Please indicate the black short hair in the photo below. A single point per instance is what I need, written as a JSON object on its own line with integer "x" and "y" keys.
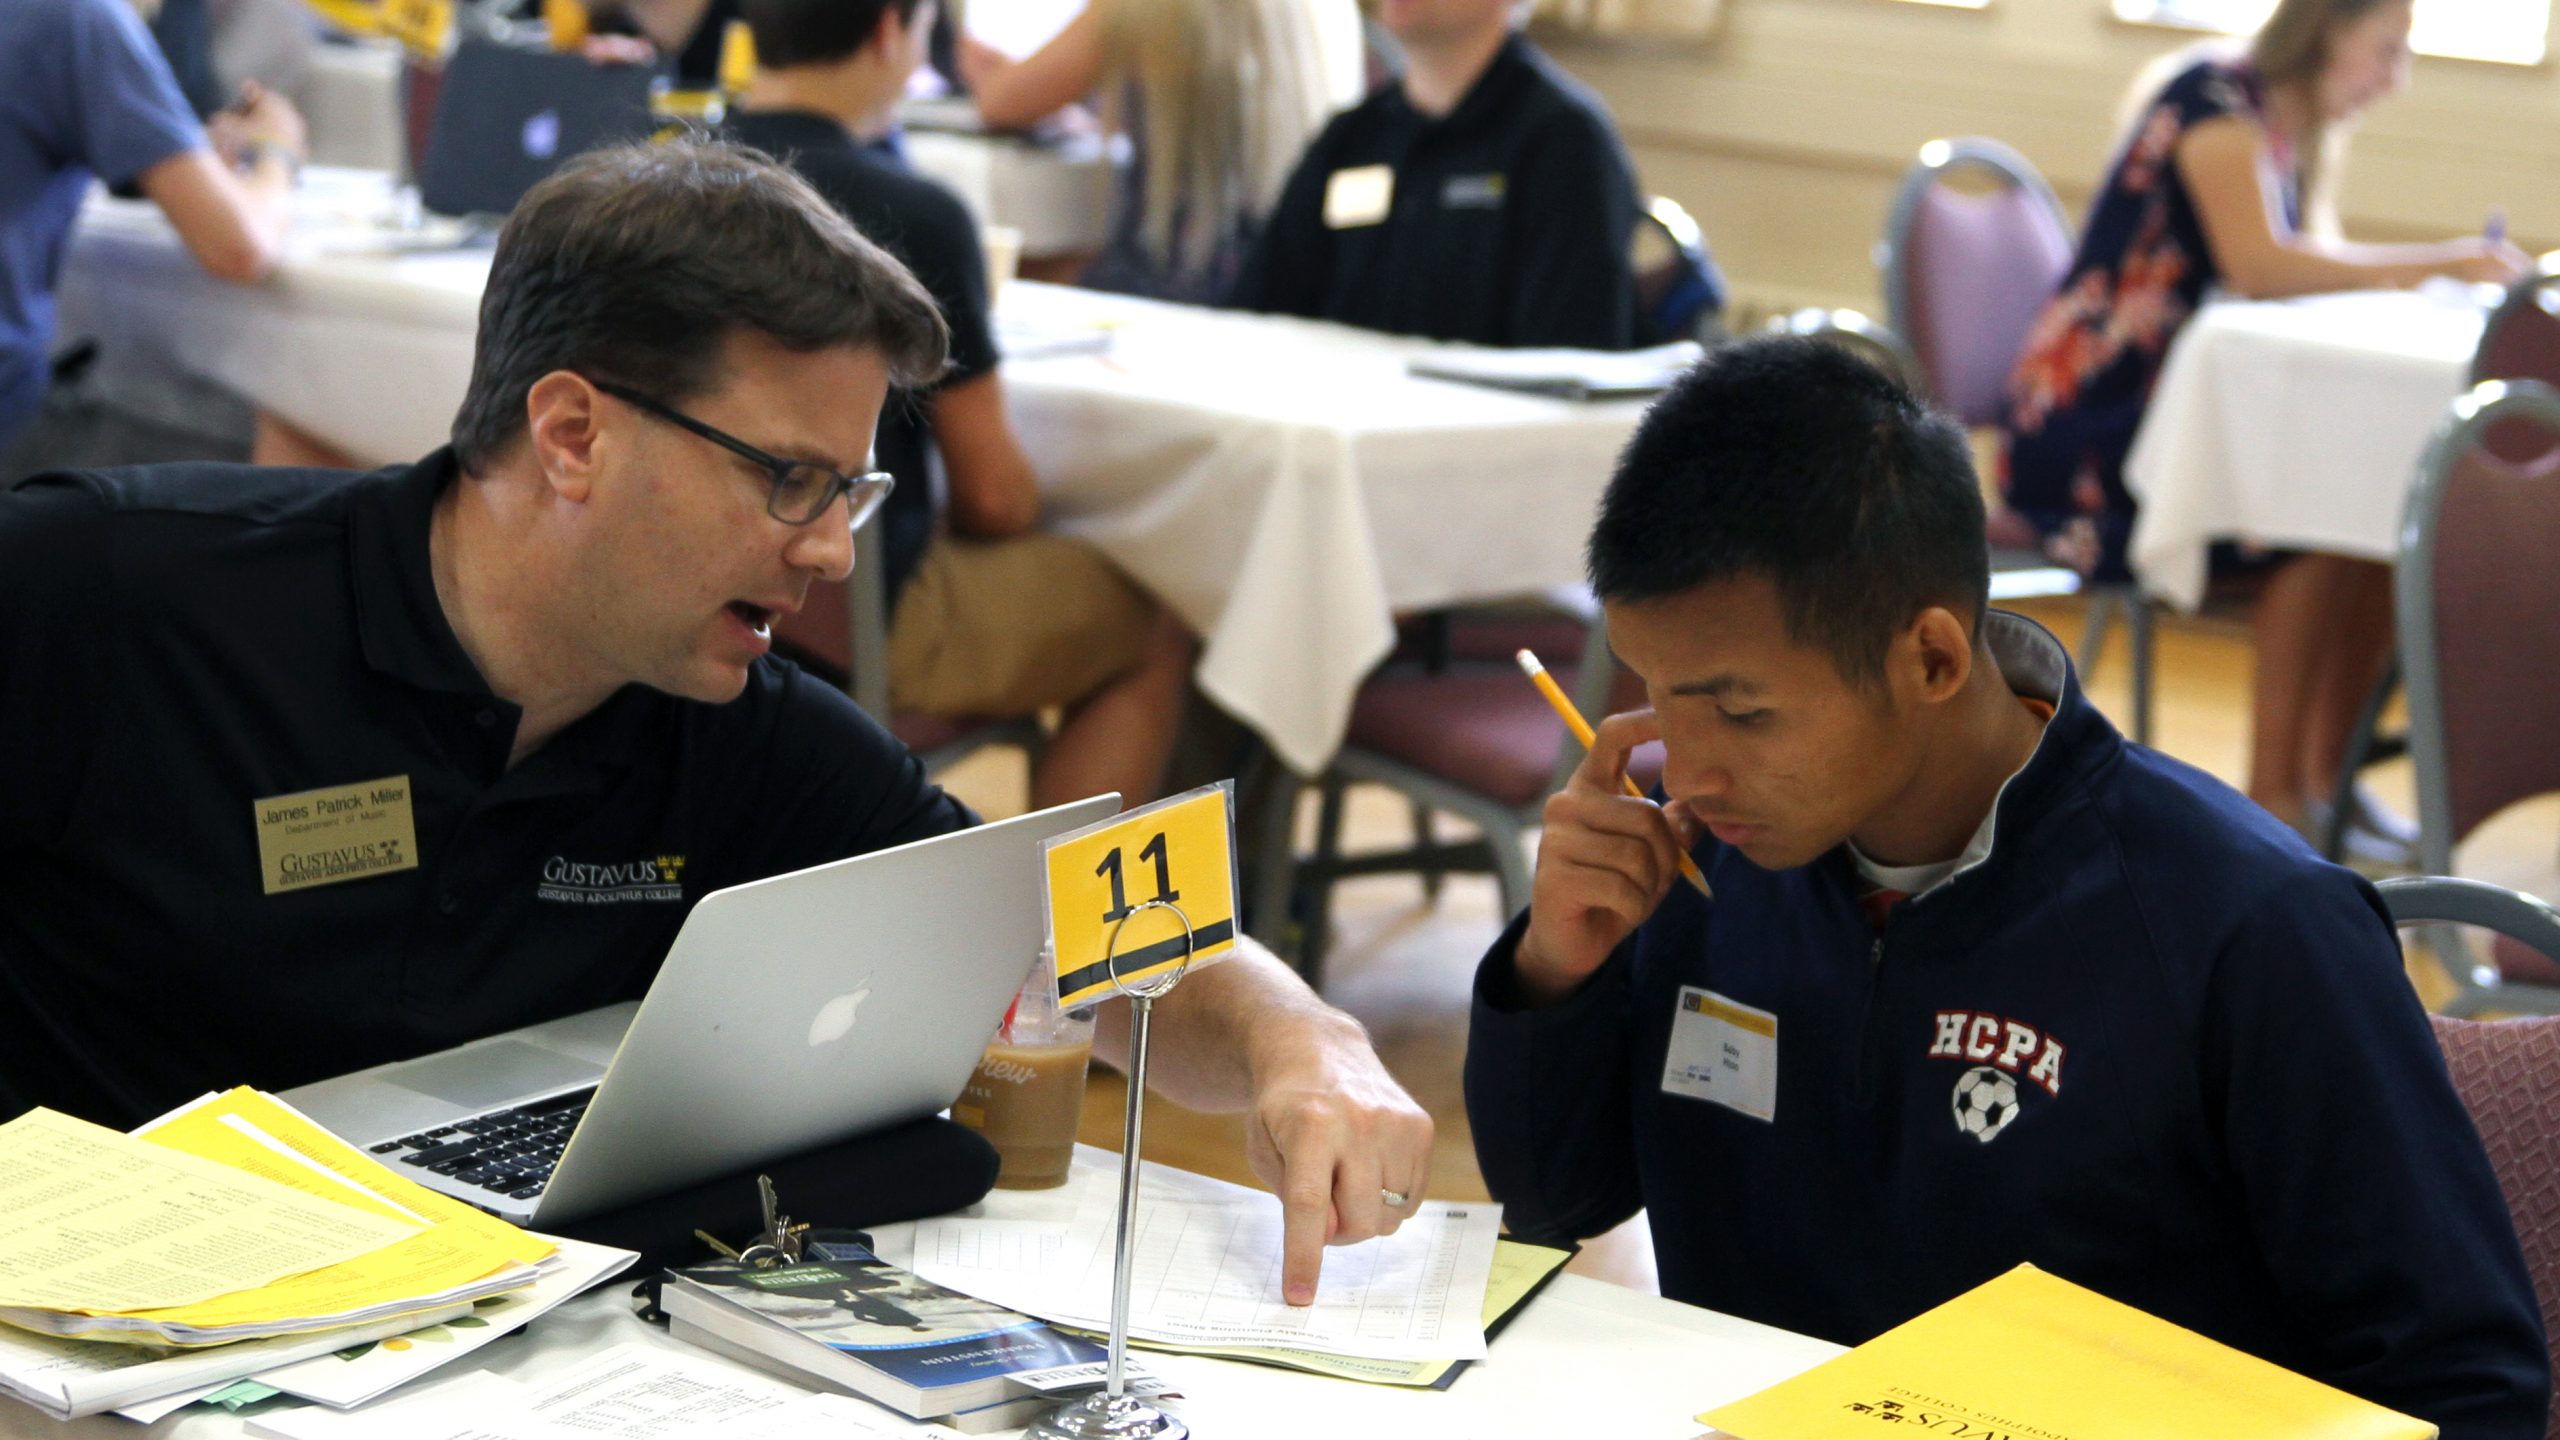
{"x": 814, "y": 32}
{"x": 1791, "y": 458}
{"x": 637, "y": 263}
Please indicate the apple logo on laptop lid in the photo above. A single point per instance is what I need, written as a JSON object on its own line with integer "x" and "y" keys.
{"x": 834, "y": 1019}
{"x": 542, "y": 135}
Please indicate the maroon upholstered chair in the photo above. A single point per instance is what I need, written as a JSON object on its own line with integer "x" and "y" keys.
{"x": 1966, "y": 271}
{"x": 1973, "y": 249}
{"x": 2507, "y": 1071}
{"x": 2521, "y": 341}
{"x": 2509, "y": 1074}
{"x": 2478, "y": 593}
{"x": 842, "y": 634}
{"x": 1462, "y": 731}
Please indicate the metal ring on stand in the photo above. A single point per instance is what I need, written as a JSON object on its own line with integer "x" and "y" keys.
{"x": 1112, "y": 1413}
{"x": 1164, "y": 982}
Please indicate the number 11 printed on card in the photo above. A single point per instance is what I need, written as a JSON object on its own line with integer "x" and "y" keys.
{"x": 1111, "y": 877}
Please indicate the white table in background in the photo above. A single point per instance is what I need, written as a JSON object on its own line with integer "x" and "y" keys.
{"x": 1584, "y": 1358}
{"x": 1057, "y": 193}
{"x": 2294, "y": 424}
{"x": 1282, "y": 484}
{"x": 1286, "y": 487}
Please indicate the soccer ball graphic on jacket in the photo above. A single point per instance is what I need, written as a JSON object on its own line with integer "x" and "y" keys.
{"x": 1986, "y": 1101}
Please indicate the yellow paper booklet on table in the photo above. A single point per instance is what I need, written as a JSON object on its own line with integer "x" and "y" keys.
{"x": 2033, "y": 1354}
{"x": 252, "y": 1166}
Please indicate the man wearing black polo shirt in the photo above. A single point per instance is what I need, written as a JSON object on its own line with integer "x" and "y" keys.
{"x": 543, "y": 652}
{"x": 994, "y": 618}
{"x": 1481, "y": 196}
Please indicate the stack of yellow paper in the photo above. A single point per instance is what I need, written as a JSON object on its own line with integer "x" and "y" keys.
{"x": 234, "y": 1218}
{"x": 2030, "y": 1354}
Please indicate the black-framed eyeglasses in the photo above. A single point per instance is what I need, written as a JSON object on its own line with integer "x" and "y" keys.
{"x": 802, "y": 489}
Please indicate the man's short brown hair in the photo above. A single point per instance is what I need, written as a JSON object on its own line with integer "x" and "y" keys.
{"x": 636, "y": 263}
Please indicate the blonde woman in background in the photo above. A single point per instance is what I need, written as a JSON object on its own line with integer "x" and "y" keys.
{"x": 1217, "y": 98}
{"x": 2227, "y": 177}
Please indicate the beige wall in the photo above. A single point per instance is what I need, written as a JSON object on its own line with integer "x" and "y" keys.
{"x": 1785, "y": 135}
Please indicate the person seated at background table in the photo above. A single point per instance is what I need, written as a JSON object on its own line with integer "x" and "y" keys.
{"x": 1980, "y": 983}
{"x": 689, "y": 33}
{"x": 557, "y": 630}
{"x": 2228, "y": 177}
{"x": 1217, "y": 97}
{"x": 994, "y": 618}
{"x": 85, "y": 95}
{"x": 1482, "y": 196}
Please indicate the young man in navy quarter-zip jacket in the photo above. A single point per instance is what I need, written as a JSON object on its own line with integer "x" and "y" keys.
{"x": 1980, "y": 983}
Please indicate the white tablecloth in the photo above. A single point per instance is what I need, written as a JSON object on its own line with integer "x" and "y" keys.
{"x": 1283, "y": 485}
{"x": 1057, "y": 194}
{"x": 1585, "y": 1358}
{"x": 2293, "y": 424}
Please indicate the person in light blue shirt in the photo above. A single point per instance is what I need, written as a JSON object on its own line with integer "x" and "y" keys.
{"x": 85, "y": 95}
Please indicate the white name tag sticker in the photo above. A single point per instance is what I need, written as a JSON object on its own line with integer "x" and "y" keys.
{"x": 1723, "y": 1052}
{"x": 1358, "y": 196}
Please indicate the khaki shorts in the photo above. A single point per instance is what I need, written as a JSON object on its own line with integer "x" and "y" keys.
{"x": 1001, "y": 628}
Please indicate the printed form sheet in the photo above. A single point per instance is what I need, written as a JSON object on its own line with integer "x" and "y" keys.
{"x": 1208, "y": 1272}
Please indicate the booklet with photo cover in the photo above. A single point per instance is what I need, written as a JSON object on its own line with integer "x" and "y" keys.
{"x": 2031, "y": 1354}
{"x": 857, "y": 1322}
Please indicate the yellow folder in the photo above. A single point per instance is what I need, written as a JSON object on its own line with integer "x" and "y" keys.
{"x": 2031, "y": 1354}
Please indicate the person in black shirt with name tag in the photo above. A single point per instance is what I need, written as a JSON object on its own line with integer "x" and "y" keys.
{"x": 991, "y": 616}
{"x": 309, "y": 771}
{"x": 1482, "y": 196}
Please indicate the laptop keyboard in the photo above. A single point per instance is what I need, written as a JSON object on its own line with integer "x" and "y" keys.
{"x": 506, "y": 1152}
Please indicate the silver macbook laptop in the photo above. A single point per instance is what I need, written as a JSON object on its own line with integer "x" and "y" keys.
{"x": 790, "y": 1012}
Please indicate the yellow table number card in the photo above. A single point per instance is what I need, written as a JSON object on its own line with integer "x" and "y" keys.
{"x": 1105, "y": 878}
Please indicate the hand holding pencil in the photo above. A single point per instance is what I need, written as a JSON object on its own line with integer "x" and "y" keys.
{"x": 1606, "y": 860}
{"x": 1581, "y": 729}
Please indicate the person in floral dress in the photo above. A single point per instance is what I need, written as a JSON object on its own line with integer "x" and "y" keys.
{"x": 2226, "y": 181}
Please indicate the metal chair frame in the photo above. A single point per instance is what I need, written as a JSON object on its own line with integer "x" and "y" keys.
{"x": 2451, "y": 900}
{"x": 1502, "y": 848}
{"x": 2414, "y": 581}
{"x": 1938, "y": 160}
{"x": 2369, "y": 746}
{"x": 2016, "y": 574}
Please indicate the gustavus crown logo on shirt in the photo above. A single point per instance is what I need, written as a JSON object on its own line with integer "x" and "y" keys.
{"x": 566, "y": 881}
{"x": 2005, "y": 1052}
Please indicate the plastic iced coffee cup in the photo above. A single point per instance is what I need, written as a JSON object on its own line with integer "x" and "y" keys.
{"x": 1027, "y": 1094}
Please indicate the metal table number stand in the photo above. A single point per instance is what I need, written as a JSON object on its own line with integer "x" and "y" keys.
{"x": 1111, "y": 1413}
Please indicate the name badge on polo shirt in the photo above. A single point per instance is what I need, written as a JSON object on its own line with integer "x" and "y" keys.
{"x": 346, "y": 832}
{"x": 1723, "y": 1052}
{"x": 1359, "y": 196}
{"x": 1472, "y": 192}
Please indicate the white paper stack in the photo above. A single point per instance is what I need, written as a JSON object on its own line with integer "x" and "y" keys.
{"x": 1207, "y": 1272}
{"x": 1571, "y": 374}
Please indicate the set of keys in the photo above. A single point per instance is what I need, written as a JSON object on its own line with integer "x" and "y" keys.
{"x": 781, "y": 1242}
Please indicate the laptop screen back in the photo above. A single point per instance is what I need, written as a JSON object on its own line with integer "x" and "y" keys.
{"x": 508, "y": 116}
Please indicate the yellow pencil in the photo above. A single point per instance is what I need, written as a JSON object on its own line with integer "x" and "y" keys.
{"x": 1581, "y": 729}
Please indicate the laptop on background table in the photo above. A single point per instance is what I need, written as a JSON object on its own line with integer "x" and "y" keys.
{"x": 506, "y": 116}
{"x": 791, "y": 1012}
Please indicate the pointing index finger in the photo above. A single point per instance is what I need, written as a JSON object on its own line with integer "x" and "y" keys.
{"x": 1306, "y": 1217}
